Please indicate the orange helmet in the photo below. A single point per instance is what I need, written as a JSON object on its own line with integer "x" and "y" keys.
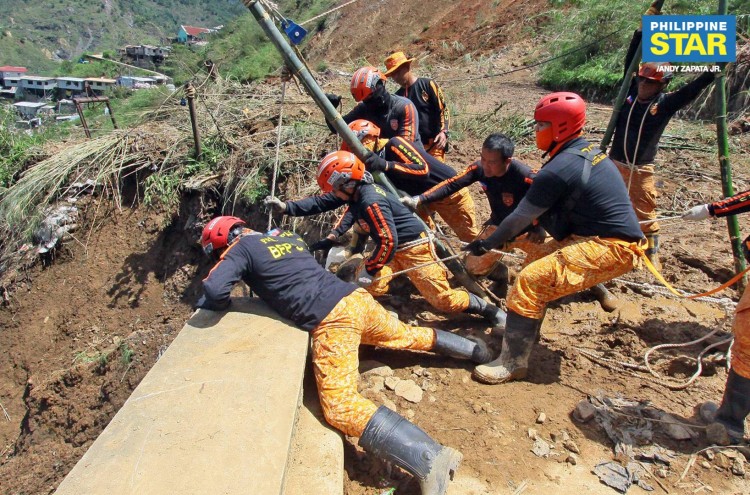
{"x": 565, "y": 111}
{"x": 219, "y": 232}
{"x": 338, "y": 168}
{"x": 363, "y": 129}
{"x": 364, "y": 82}
{"x": 654, "y": 71}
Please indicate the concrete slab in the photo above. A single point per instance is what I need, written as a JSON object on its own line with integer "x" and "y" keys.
{"x": 214, "y": 415}
{"x": 316, "y": 458}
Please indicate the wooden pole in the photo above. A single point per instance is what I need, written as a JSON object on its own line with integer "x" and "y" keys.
{"x": 722, "y": 140}
{"x": 190, "y": 94}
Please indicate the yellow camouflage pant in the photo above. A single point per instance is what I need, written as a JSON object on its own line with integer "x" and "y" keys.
{"x": 481, "y": 266}
{"x": 356, "y": 319}
{"x": 741, "y": 329}
{"x": 643, "y": 193}
{"x": 457, "y": 210}
{"x": 431, "y": 281}
{"x": 567, "y": 267}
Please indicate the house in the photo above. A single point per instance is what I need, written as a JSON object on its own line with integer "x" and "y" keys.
{"x": 156, "y": 54}
{"x": 99, "y": 84}
{"x": 37, "y": 86}
{"x": 29, "y": 110}
{"x": 12, "y": 74}
{"x": 70, "y": 86}
{"x": 189, "y": 34}
{"x": 135, "y": 82}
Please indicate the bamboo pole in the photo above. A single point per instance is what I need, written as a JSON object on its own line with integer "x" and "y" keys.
{"x": 297, "y": 68}
{"x": 722, "y": 139}
{"x": 632, "y": 69}
{"x": 190, "y": 94}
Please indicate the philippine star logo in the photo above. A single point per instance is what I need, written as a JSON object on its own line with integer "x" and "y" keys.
{"x": 690, "y": 39}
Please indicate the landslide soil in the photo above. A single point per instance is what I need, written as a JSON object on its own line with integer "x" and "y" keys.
{"x": 81, "y": 330}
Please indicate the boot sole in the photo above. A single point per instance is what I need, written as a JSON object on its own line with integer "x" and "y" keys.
{"x": 518, "y": 374}
{"x": 443, "y": 469}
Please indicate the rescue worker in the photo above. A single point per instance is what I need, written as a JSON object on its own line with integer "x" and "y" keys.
{"x": 339, "y": 316}
{"x": 434, "y": 117}
{"x": 401, "y": 241}
{"x": 578, "y": 198}
{"x": 394, "y": 115}
{"x": 505, "y": 182}
{"x": 412, "y": 170}
{"x": 728, "y": 420}
{"x": 640, "y": 124}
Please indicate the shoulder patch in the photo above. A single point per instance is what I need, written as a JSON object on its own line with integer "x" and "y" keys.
{"x": 425, "y": 96}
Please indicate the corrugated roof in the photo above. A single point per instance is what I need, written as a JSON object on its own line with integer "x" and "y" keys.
{"x": 195, "y": 31}
{"x": 38, "y": 78}
{"x": 11, "y": 68}
{"x": 29, "y": 104}
{"x": 101, "y": 80}
{"x": 71, "y": 79}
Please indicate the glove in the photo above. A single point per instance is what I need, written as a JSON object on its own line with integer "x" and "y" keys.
{"x": 537, "y": 234}
{"x": 364, "y": 279}
{"x": 410, "y": 201}
{"x": 334, "y": 99}
{"x": 477, "y": 247}
{"x": 699, "y": 212}
{"x": 275, "y": 203}
{"x": 322, "y": 245}
{"x": 374, "y": 163}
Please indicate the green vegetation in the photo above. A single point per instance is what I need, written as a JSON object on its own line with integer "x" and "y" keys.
{"x": 596, "y": 71}
{"x": 16, "y": 148}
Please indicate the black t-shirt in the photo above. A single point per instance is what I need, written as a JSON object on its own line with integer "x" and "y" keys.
{"x": 282, "y": 272}
{"x": 411, "y": 169}
{"x": 603, "y": 208}
{"x": 504, "y": 193}
{"x": 658, "y": 112}
{"x": 389, "y": 223}
{"x": 399, "y": 118}
{"x": 430, "y": 103}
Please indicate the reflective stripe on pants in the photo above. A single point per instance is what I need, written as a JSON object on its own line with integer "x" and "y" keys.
{"x": 741, "y": 329}
{"x": 457, "y": 210}
{"x": 356, "y": 319}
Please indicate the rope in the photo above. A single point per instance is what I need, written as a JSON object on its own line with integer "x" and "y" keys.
{"x": 661, "y": 219}
{"x": 525, "y": 67}
{"x": 417, "y": 267}
{"x": 278, "y": 146}
{"x": 724, "y": 301}
{"x": 327, "y": 12}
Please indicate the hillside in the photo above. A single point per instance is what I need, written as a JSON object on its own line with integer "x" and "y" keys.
{"x": 34, "y": 34}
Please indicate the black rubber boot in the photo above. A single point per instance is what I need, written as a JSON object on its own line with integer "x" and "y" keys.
{"x": 393, "y": 438}
{"x": 489, "y": 312}
{"x": 728, "y": 420}
{"x": 652, "y": 250}
{"x": 606, "y": 299}
{"x": 513, "y": 363}
{"x": 455, "y": 346}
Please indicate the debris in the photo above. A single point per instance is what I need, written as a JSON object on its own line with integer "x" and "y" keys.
{"x": 541, "y": 448}
{"x": 336, "y": 256}
{"x": 584, "y": 411}
{"x": 705, "y": 465}
{"x": 390, "y": 404}
{"x": 717, "y": 434}
{"x": 722, "y": 461}
{"x": 541, "y": 418}
{"x": 532, "y": 434}
{"x": 656, "y": 455}
{"x": 613, "y": 475}
{"x": 58, "y": 223}
{"x": 408, "y": 390}
{"x": 409, "y": 414}
{"x": 377, "y": 384}
{"x": 709, "y": 454}
{"x": 571, "y": 459}
{"x": 391, "y": 382}
{"x": 662, "y": 472}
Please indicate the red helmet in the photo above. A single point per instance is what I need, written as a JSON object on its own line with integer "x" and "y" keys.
{"x": 565, "y": 111}
{"x": 338, "y": 168}
{"x": 364, "y": 82}
{"x": 362, "y": 129}
{"x": 654, "y": 71}
{"x": 218, "y": 232}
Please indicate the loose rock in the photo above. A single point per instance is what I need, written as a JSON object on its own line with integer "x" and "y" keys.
{"x": 738, "y": 467}
{"x": 674, "y": 430}
{"x": 375, "y": 368}
{"x": 584, "y": 411}
{"x": 541, "y": 418}
{"x": 409, "y": 391}
{"x": 571, "y": 446}
{"x": 391, "y": 382}
{"x": 541, "y": 448}
{"x": 571, "y": 459}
